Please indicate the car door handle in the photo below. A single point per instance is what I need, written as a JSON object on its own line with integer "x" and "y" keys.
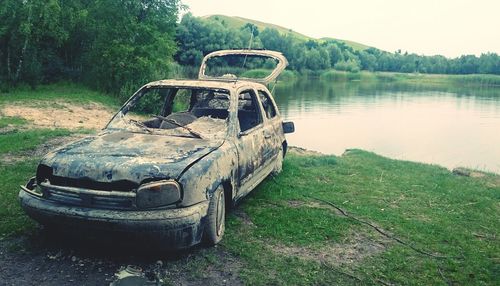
{"x": 267, "y": 135}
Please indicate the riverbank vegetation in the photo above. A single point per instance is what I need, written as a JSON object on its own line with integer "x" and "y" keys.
{"x": 412, "y": 78}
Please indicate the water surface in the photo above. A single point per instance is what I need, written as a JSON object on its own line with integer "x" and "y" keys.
{"x": 444, "y": 125}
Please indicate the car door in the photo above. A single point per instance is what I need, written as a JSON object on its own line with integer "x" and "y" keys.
{"x": 271, "y": 127}
{"x": 250, "y": 136}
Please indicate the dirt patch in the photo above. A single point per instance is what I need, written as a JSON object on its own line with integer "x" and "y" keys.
{"x": 302, "y": 152}
{"x": 224, "y": 270}
{"x": 491, "y": 180}
{"x": 356, "y": 248}
{"x": 468, "y": 172}
{"x": 243, "y": 216}
{"x": 40, "y": 150}
{"x": 45, "y": 258}
{"x": 61, "y": 115}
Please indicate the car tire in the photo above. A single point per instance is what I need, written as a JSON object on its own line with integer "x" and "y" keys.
{"x": 278, "y": 167}
{"x": 214, "y": 229}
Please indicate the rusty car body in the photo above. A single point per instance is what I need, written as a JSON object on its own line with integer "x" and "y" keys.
{"x": 169, "y": 163}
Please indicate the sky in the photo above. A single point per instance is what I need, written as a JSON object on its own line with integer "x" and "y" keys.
{"x": 429, "y": 27}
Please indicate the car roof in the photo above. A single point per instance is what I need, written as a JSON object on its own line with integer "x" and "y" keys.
{"x": 197, "y": 83}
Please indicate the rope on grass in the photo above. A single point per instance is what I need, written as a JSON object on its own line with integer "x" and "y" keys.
{"x": 344, "y": 213}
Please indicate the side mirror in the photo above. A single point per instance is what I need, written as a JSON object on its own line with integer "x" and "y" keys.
{"x": 288, "y": 127}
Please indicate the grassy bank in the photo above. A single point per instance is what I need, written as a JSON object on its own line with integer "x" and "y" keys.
{"x": 62, "y": 91}
{"x": 425, "y": 206}
{"x": 428, "y": 79}
{"x": 286, "y": 232}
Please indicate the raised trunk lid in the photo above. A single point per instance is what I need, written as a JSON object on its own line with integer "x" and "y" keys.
{"x": 281, "y": 63}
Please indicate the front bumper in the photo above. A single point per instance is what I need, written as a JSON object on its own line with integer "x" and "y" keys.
{"x": 174, "y": 228}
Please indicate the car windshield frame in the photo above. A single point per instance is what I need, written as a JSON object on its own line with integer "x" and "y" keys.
{"x": 118, "y": 121}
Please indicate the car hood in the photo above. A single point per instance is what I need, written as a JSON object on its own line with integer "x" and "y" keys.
{"x": 117, "y": 156}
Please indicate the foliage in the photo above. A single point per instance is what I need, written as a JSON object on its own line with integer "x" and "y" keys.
{"x": 110, "y": 45}
{"x": 427, "y": 79}
{"x": 199, "y": 36}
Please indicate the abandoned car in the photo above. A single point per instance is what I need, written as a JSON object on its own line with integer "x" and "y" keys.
{"x": 170, "y": 162}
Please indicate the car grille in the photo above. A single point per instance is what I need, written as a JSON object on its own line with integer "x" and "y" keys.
{"x": 123, "y": 185}
{"x": 88, "y": 198}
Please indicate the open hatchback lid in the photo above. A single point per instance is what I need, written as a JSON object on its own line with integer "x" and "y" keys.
{"x": 277, "y": 58}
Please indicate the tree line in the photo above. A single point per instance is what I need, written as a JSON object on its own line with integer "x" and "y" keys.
{"x": 115, "y": 46}
{"x": 197, "y": 36}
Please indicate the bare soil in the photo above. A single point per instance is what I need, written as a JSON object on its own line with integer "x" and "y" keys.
{"x": 356, "y": 248}
{"x": 61, "y": 115}
{"x": 51, "y": 258}
{"x": 303, "y": 152}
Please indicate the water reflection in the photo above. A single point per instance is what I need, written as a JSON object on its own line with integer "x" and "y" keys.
{"x": 446, "y": 125}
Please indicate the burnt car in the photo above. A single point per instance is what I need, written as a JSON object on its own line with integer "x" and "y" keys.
{"x": 170, "y": 162}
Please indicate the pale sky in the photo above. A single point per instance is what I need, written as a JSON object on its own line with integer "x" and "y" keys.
{"x": 429, "y": 27}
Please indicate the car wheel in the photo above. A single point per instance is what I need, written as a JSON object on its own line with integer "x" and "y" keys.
{"x": 278, "y": 167}
{"x": 214, "y": 230}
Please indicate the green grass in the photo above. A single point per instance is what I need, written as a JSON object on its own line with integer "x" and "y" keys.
{"x": 422, "y": 204}
{"x": 12, "y": 121}
{"x": 427, "y": 79}
{"x": 68, "y": 92}
{"x": 20, "y": 141}
{"x": 12, "y": 219}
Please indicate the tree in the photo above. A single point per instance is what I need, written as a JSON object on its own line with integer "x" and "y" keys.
{"x": 108, "y": 44}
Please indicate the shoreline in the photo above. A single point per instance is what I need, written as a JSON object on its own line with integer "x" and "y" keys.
{"x": 458, "y": 170}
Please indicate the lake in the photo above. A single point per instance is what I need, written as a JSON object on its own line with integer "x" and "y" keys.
{"x": 445, "y": 125}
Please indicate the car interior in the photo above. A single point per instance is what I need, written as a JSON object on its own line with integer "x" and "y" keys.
{"x": 181, "y": 106}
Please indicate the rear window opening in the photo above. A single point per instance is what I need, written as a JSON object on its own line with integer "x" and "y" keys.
{"x": 260, "y": 66}
{"x": 240, "y": 66}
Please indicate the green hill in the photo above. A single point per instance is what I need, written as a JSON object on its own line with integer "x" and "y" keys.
{"x": 238, "y": 22}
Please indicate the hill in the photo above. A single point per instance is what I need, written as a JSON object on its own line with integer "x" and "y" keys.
{"x": 238, "y": 22}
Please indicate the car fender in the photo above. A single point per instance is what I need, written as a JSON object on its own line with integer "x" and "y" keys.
{"x": 202, "y": 178}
